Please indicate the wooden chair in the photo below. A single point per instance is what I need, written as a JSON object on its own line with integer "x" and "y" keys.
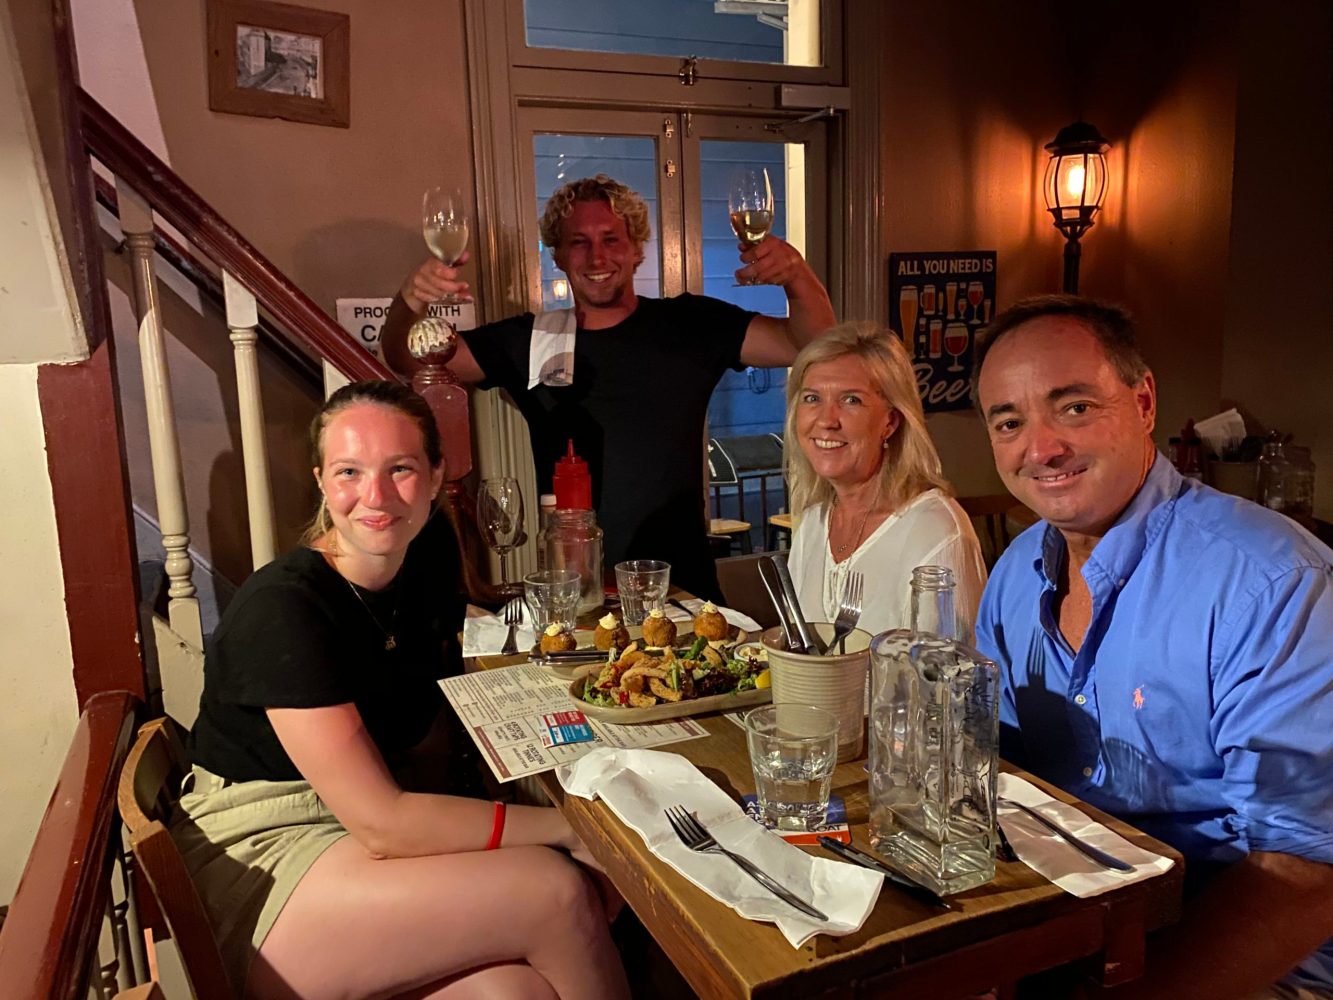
{"x": 991, "y": 517}
{"x": 149, "y": 784}
{"x": 743, "y": 589}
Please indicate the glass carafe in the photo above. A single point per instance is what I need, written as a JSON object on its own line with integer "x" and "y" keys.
{"x": 934, "y": 754}
{"x": 572, "y": 540}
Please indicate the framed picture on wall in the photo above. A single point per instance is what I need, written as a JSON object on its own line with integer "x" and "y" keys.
{"x": 275, "y": 60}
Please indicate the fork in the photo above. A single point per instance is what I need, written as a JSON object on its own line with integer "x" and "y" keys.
{"x": 1083, "y": 847}
{"x": 849, "y": 610}
{"x": 693, "y": 835}
{"x": 513, "y": 612}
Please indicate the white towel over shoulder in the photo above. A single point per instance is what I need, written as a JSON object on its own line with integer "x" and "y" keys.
{"x": 551, "y": 353}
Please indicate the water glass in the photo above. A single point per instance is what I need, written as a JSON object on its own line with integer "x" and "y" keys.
{"x": 552, "y": 596}
{"x": 793, "y": 749}
{"x": 643, "y": 587}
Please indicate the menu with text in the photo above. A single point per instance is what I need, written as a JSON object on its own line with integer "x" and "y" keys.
{"x": 503, "y": 710}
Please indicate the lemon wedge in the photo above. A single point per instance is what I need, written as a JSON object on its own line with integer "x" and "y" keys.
{"x": 763, "y": 681}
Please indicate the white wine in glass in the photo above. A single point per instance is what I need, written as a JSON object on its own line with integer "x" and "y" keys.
{"x": 444, "y": 224}
{"x": 750, "y": 205}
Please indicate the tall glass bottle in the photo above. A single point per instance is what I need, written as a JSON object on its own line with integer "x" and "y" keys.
{"x": 934, "y": 742}
{"x": 933, "y": 610}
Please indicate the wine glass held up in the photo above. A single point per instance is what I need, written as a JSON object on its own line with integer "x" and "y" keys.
{"x": 750, "y": 206}
{"x": 444, "y": 224}
{"x": 500, "y": 518}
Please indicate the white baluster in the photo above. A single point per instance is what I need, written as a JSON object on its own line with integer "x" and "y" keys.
{"x": 242, "y": 318}
{"x": 136, "y": 222}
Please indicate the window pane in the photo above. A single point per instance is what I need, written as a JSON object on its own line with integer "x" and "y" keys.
{"x": 784, "y": 32}
{"x": 559, "y": 159}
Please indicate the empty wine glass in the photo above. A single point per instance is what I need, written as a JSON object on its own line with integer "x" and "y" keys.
{"x": 444, "y": 224}
{"x": 500, "y": 518}
{"x": 750, "y": 206}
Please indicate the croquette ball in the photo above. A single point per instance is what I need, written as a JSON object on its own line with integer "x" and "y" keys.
{"x": 709, "y": 623}
{"x": 557, "y": 640}
{"x": 610, "y": 632}
{"x": 658, "y": 629}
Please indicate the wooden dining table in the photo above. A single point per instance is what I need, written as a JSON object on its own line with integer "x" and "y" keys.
{"x": 1016, "y": 925}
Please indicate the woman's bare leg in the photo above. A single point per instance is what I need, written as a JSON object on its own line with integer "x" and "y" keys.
{"x": 357, "y": 927}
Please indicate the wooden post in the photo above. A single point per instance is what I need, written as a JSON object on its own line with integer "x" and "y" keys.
{"x": 242, "y": 318}
{"x": 136, "y": 221}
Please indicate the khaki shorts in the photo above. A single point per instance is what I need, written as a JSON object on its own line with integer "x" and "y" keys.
{"x": 246, "y": 845}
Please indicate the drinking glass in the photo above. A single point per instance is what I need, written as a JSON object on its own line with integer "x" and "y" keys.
{"x": 444, "y": 224}
{"x": 500, "y": 518}
{"x": 793, "y": 749}
{"x": 552, "y": 596}
{"x": 643, "y": 587}
{"x": 750, "y": 206}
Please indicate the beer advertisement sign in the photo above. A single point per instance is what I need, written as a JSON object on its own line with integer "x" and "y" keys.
{"x": 937, "y": 304}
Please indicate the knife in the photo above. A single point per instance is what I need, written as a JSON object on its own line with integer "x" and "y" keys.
{"x": 859, "y": 857}
{"x": 1082, "y": 846}
{"x": 808, "y": 639}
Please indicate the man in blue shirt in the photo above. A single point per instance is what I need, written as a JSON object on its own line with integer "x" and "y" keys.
{"x": 1166, "y": 652}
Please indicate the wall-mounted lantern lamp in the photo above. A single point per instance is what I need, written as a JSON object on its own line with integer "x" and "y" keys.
{"x": 1074, "y": 186}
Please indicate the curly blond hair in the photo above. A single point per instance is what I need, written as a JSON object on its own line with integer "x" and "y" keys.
{"x": 624, "y": 202}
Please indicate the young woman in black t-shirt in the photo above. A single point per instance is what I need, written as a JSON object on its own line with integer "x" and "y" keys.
{"x": 322, "y": 874}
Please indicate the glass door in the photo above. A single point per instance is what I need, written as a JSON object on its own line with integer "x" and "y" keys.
{"x": 751, "y": 402}
{"x": 640, "y": 149}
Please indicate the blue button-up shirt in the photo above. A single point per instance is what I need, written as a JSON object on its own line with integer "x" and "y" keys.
{"x": 1200, "y": 706}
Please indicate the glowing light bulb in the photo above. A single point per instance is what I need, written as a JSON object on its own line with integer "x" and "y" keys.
{"x": 1074, "y": 180}
{"x": 560, "y": 288}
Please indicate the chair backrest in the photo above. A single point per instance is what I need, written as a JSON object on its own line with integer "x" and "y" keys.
{"x": 147, "y": 794}
{"x": 990, "y": 516}
{"x": 743, "y": 589}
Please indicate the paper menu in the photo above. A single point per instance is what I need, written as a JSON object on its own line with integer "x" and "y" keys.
{"x": 502, "y": 709}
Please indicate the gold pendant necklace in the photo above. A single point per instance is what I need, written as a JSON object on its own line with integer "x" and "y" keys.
{"x": 840, "y": 549}
{"x": 390, "y": 642}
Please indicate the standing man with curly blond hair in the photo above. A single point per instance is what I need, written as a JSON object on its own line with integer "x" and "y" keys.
{"x": 627, "y": 377}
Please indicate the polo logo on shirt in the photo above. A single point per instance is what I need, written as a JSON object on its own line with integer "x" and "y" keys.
{"x": 1138, "y": 698}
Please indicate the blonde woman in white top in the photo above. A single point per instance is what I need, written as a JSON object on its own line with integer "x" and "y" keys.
{"x": 866, "y": 484}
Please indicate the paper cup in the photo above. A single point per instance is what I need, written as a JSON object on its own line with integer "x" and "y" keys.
{"x": 834, "y": 683}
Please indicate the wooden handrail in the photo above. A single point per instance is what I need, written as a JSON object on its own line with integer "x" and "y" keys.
{"x": 128, "y": 158}
{"x": 288, "y": 348}
{"x": 50, "y": 935}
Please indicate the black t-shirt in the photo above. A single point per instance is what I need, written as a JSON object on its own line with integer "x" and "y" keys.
{"x": 295, "y": 636}
{"x": 636, "y": 413}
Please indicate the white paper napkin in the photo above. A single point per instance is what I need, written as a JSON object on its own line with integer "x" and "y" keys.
{"x": 638, "y": 786}
{"x": 733, "y": 616}
{"x": 1049, "y": 855}
{"x": 484, "y": 634}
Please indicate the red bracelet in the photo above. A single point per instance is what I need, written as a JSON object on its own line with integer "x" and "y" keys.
{"x": 497, "y": 827}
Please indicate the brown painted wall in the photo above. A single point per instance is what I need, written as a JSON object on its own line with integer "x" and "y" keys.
{"x": 1277, "y": 343}
{"x": 1166, "y": 100}
{"x": 962, "y": 162}
{"x": 336, "y": 209}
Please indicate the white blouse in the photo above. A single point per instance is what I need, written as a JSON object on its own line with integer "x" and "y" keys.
{"x": 931, "y": 530}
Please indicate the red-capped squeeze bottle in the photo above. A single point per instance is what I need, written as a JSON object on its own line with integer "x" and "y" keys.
{"x": 572, "y": 483}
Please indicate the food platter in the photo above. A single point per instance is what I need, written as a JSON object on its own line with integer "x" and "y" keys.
{"x": 725, "y": 701}
{"x": 729, "y": 702}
